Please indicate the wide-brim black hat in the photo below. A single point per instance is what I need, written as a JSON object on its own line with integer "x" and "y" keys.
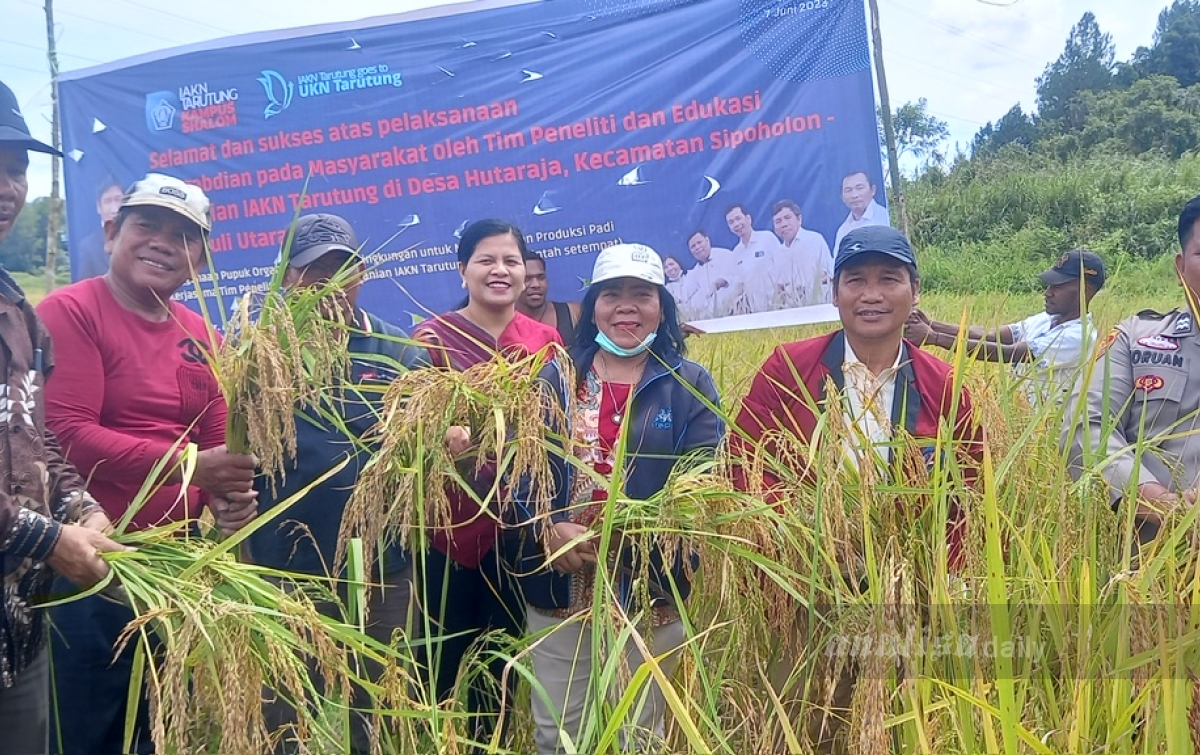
{"x": 13, "y": 131}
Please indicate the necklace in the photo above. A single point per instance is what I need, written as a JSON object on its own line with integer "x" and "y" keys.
{"x": 547, "y": 308}
{"x": 601, "y": 367}
{"x": 618, "y": 403}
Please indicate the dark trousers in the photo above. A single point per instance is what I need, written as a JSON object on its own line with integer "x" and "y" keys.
{"x": 90, "y": 687}
{"x": 390, "y": 609}
{"x": 25, "y": 710}
{"x": 470, "y": 603}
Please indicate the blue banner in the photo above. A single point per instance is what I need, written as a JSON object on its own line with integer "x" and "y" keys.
{"x": 735, "y": 137}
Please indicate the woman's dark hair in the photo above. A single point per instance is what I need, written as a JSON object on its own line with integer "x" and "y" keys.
{"x": 667, "y": 346}
{"x": 485, "y": 229}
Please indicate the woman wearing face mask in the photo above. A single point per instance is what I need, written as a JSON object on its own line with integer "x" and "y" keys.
{"x": 465, "y": 588}
{"x": 632, "y": 386}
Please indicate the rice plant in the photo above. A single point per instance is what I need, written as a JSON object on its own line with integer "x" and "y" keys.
{"x": 402, "y": 492}
{"x": 282, "y": 352}
{"x": 1057, "y": 635}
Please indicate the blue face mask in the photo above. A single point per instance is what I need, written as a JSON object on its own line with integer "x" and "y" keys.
{"x": 606, "y": 343}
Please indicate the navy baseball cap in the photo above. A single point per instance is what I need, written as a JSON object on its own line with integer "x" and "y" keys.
{"x": 1076, "y": 264}
{"x": 880, "y": 239}
{"x": 13, "y": 131}
{"x": 319, "y": 234}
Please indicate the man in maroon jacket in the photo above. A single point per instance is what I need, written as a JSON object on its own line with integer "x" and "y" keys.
{"x": 886, "y": 385}
{"x": 886, "y": 382}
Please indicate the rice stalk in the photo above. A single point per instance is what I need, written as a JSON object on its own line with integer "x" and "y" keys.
{"x": 283, "y": 352}
{"x": 220, "y": 636}
{"x": 403, "y": 492}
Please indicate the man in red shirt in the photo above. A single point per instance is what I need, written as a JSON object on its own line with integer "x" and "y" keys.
{"x": 134, "y": 387}
{"x": 885, "y": 384}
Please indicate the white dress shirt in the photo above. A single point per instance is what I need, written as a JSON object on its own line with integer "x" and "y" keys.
{"x": 1057, "y": 352}
{"x": 760, "y": 271}
{"x": 873, "y": 215}
{"x": 812, "y": 263}
{"x": 867, "y": 407}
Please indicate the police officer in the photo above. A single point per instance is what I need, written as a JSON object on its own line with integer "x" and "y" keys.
{"x": 1145, "y": 386}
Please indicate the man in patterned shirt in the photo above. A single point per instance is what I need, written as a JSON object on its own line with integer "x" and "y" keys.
{"x": 41, "y": 496}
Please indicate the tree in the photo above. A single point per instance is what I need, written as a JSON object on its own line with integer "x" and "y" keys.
{"x": 1155, "y": 115}
{"x": 1176, "y": 48}
{"x": 24, "y": 250}
{"x": 918, "y": 133}
{"x": 1085, "y": 65}
{"x": 1014, "y": 128}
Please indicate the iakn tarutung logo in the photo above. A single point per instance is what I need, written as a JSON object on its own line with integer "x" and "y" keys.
{"x": 191, "y": 108}
{"x": 161, "y": 109}
{"x": 279, "y": 92}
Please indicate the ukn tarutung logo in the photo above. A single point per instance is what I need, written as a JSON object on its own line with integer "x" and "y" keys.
{"x": 279, "y": 92}
{"x": 161, "y": 109}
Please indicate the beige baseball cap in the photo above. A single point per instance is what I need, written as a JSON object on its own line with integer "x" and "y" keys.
{"x": 628, "y": 261}
{"x": 158, "y": 190}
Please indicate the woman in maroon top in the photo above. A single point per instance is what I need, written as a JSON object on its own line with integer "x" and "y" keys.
{"x": 466, "y": 590}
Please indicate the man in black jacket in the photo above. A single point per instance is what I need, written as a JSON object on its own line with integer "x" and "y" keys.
{"x": 303, "y": 537}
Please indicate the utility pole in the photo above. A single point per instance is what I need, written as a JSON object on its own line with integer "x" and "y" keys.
{"x": 54, "y": 217}
{"x": 885, "y": 110}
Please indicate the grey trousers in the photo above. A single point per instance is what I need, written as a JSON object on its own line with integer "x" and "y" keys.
{"x": 25, "y": 711}
{"x": 562, "y": 663}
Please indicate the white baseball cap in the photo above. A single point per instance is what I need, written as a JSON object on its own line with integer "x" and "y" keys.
{"x": 628, "y": 261}
{"x": 158, "y": 190}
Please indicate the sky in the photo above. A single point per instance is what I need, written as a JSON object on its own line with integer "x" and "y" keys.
{"x": 972, "y": 60}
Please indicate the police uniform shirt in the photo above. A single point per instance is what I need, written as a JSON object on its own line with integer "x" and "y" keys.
{"x": 1143, "y": 386}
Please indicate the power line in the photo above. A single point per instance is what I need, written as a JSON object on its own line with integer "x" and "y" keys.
{"x": 959, "y": 31}
{"x": 42, "y": 50}
{"x": 197, "y": 22}
{"x": 102, "y": 22}
{"x": 21, "y": 68}
{"x": 947, "y": 72}
{"x": 955, "y": 117}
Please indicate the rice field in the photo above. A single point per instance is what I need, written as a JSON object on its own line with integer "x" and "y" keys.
{"x": 1055, "y": 637}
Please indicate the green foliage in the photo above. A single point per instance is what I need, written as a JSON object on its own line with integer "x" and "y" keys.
{"x": 917, "y": 132}
{"x": 1153, "y": 115}
{"x": 1088, "y": 102}
{"x": 1120, "y": 204}
{"x": 1086, "y": 64}
{"x": 24, "y": 250}
{"x": 1176, "y": 47}
{"x": 991, "y": 223}
{"x": 1105, "y": 163}
{"x": 1014, "y": 128}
